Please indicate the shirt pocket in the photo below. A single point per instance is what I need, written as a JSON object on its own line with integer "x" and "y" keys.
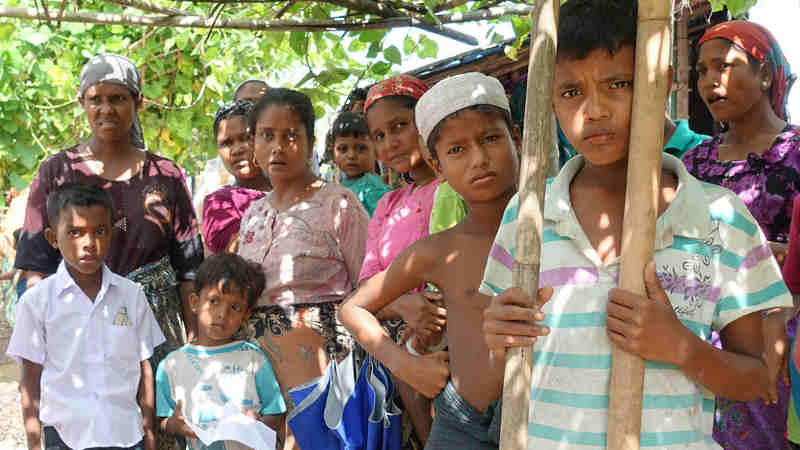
{"x": 122, "y": 344}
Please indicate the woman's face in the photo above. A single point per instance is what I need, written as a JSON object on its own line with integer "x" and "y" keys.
{"x": 391, "y": 125}
{"x": 281, "y": 144}
{"x": 728, "y": 84}
{"x": 111, "y": 110}
{"x": 236, "y": 148}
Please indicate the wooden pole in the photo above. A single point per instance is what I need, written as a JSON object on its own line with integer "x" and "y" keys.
{"x": 653, "y": 48}
{"x": 538, "y": 143}
{"x": 682, "y": 35}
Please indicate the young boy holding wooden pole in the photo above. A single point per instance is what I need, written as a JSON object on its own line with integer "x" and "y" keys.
{"x": 711, "y": 269}
{"x": 465, "y": 121}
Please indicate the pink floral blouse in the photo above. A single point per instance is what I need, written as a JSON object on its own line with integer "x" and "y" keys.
{"x": 310, "y": 253}
{"x": 401, "y": 218}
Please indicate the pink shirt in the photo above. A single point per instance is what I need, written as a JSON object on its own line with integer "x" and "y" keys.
{"x": 222, "y": 214}
{"x": 401, "y": 218}
{"x": 311, "y": 252}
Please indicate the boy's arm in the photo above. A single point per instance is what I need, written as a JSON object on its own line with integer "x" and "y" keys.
{"x": 176, "y": 423}
{"x": 147, "y": 403}
{"x": 30, "y": 390}
{"x": 648, "y": 327}
{"x": 427, "y": 374}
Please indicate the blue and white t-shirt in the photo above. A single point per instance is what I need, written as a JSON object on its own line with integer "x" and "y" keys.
{"x": 712, "y": 260}
{"x": 205, "y": 379}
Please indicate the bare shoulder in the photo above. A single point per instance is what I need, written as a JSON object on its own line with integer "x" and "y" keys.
{"x": 430, "y": 252}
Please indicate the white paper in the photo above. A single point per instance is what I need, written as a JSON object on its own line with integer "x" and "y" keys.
{"x": 235, "y": 426}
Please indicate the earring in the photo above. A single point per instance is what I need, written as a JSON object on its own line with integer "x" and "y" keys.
{"x": 765, "y": 85}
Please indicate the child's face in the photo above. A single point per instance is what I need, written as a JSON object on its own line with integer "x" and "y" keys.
{"x": 219, "y": 314}
{"x": 592, "y": 98}
{"x": 391, "y": 125}
{"x": 477, "y": 155}
{"x": 354, "y": 155}
{"x": 236, "y": 148}
{"x": 281, "y": 144}
{"x": 83, "y": 235}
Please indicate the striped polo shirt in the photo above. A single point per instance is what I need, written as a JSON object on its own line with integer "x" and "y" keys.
{"x": 712, "y": 260}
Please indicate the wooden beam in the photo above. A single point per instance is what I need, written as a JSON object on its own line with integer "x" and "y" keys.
{"x": 653, "y": 47}
{"x": 537, "y": 145}
{"x": 254, "y": 24}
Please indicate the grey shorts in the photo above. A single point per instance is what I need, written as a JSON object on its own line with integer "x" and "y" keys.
{"x": 457, "y": 425}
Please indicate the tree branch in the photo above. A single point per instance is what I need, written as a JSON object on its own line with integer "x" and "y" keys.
{"x": 258, "y": 24}
{"x": 149, "y": 7}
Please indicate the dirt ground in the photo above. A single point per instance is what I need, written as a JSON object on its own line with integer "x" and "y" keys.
{"x": 12, "y": 435}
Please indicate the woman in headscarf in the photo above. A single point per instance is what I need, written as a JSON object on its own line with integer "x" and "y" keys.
{"x": 744, "y": 79}
{"x": 156, "y": 239}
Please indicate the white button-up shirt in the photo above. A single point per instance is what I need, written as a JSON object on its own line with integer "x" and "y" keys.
{"x": 90, "y": 354}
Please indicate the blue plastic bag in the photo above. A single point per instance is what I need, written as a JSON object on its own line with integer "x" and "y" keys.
{"x": 347, "y": 408}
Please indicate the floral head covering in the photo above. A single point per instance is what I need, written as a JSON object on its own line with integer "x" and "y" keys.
{"x": 758, "y": 42}
{"x": 111, "y": 68}
{"x": 235, "y": 108}
{"x": 403, "y": 85}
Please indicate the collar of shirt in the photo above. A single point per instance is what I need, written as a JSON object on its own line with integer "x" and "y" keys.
{"x": 676, "y": 220}
{"x": 64, "y": 281}
{"x": 683, "y": 139}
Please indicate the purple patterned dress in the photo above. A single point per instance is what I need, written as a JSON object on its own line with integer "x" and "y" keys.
{"x": 767, "y": 184}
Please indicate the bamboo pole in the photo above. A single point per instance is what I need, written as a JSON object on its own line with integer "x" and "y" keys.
{"x": 538, "y": 143}
{"x": 653, "y": 48}
{"x": 257, "y": 24}
{"x": 682, "y": 49}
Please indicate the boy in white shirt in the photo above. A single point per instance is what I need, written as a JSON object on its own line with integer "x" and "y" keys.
{"x": 84, "y": 336}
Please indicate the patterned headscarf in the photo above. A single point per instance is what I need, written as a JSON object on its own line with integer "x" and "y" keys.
{"x": 236, "y": 108}
{"x": 758, "y": 42}
{"x": 110, "y": 68}
{"x": 402, "y": 85}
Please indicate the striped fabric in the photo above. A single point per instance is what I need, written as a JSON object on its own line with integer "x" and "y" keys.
{"x": 712, "y": 260}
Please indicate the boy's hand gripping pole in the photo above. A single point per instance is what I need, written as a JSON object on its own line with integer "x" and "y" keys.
{"x": 653, "y": 46}
{"x": 538, "y": 144}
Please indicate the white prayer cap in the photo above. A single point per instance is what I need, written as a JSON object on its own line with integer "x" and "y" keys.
{"x": 454, "y": 94}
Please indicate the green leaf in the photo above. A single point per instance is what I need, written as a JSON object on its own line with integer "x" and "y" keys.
{"x": 28, "y": 157}
{"x": 430, "y": 6}
{"x": 511, "y": 52}
{"x": 429, "y": 47}
{"x": 6, "y": 31}
{"x": 339, "y": 52}
{"x": 520, "y": 25}
{"x": 381, "y": 68}
{"x": 35, "y": 38}
{"x": 299, "y": 43}
{"x": 374, "y": 48}
{"x": 368, "y": 36}
{"x": 10, "y": 127}
{"x": 409, "y": 45}
{"x": 392, "y": 54}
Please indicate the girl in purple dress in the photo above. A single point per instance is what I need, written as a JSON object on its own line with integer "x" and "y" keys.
{"x": 744, "y": 80}
{"x": 223, "y": 209}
